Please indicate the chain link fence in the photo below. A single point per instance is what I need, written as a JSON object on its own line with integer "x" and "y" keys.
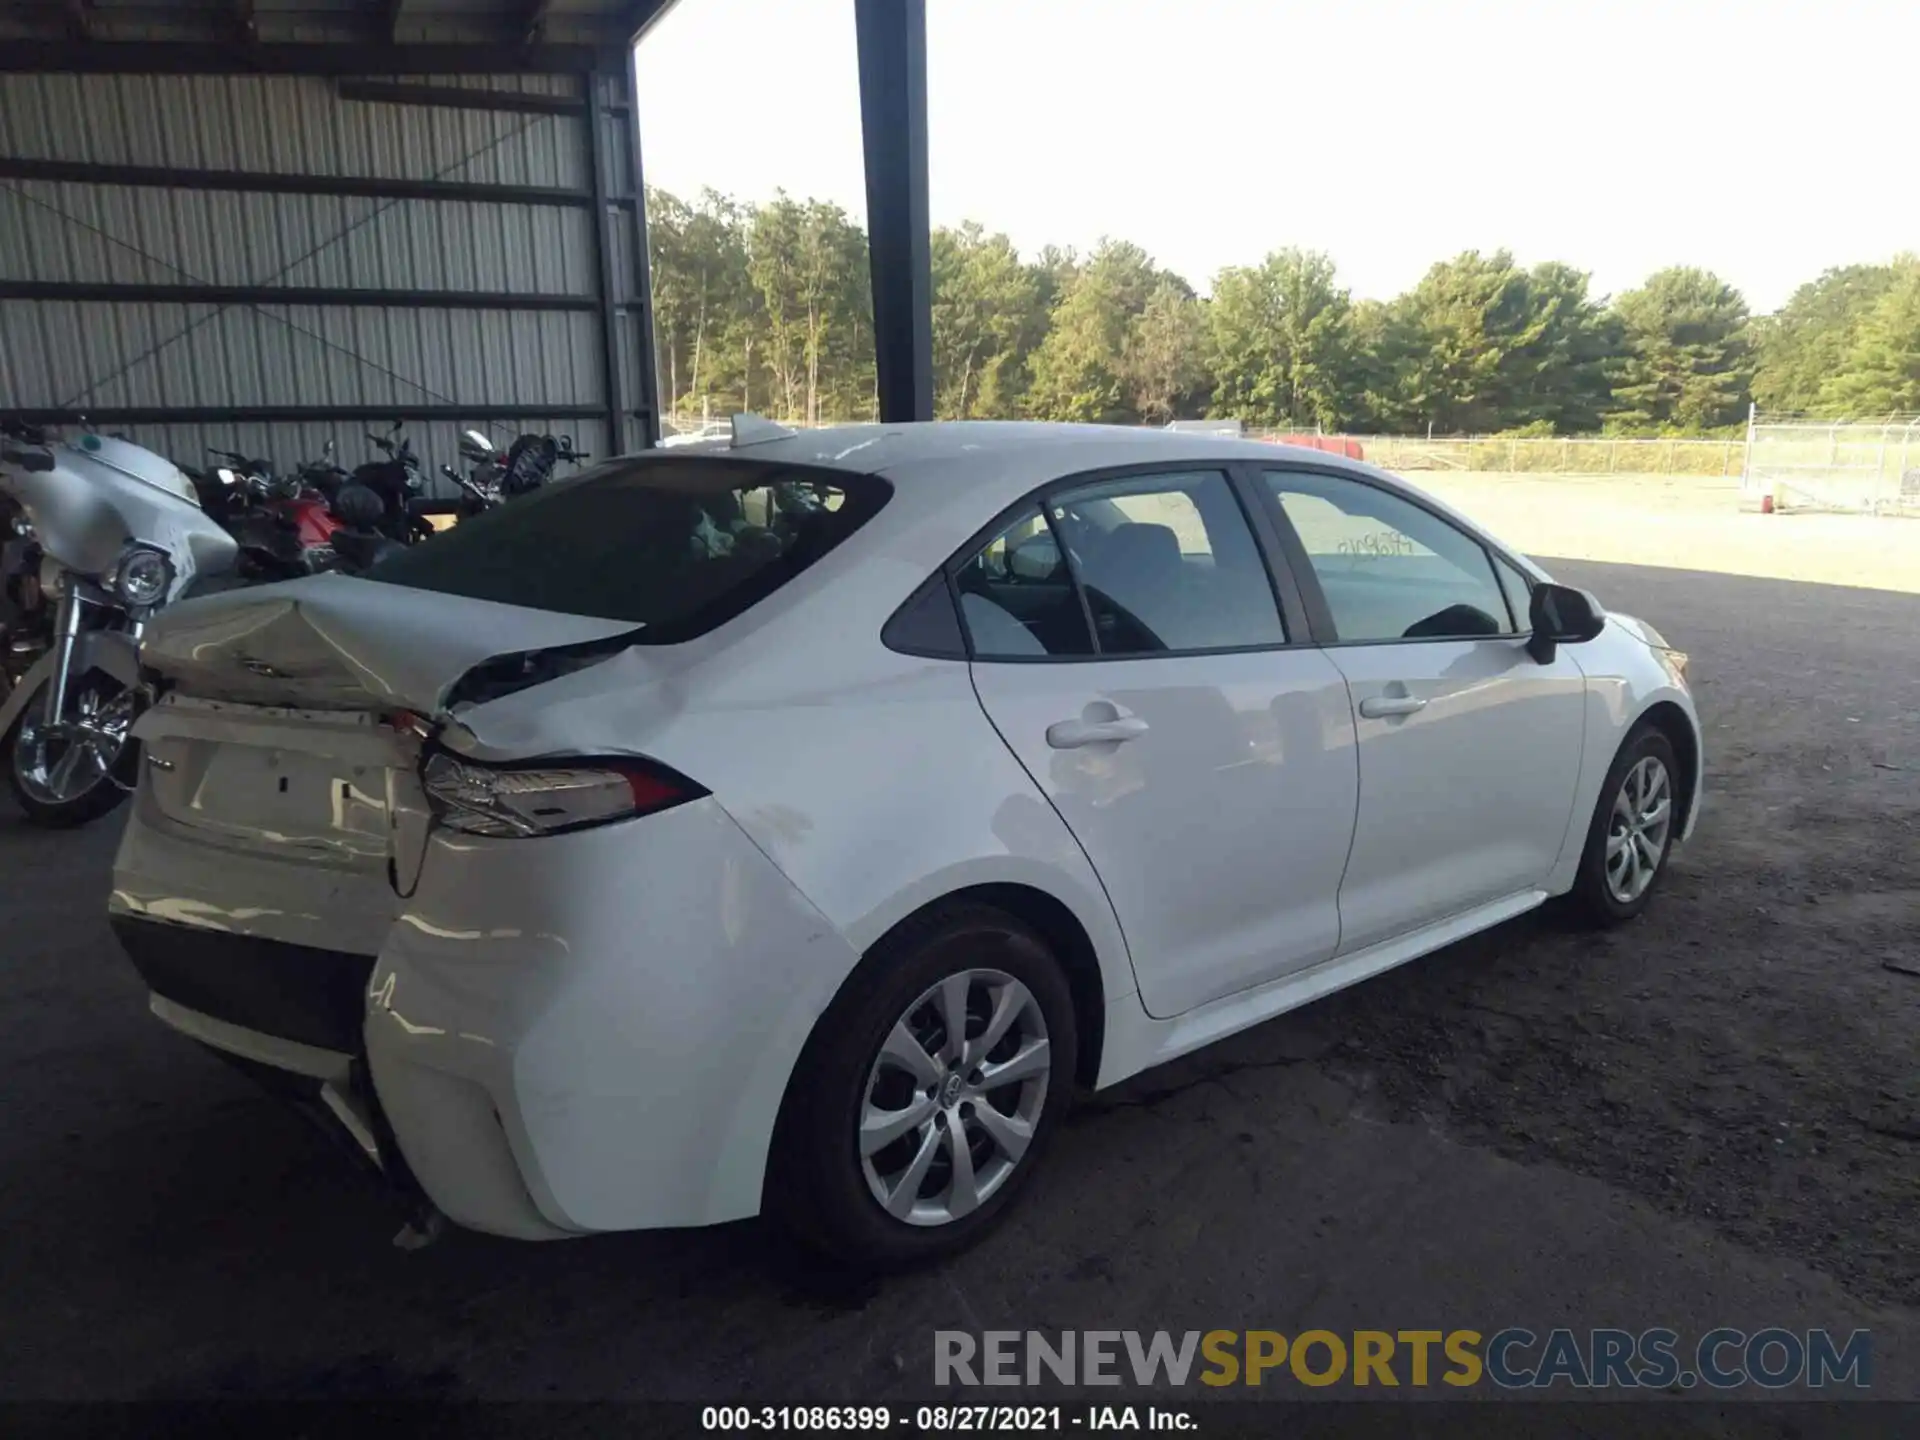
{"x": 1792, "y": 462}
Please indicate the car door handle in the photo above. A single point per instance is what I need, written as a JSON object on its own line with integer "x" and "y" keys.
{"x": 1072, "y": 734}
{"x": 1383, "y": 707}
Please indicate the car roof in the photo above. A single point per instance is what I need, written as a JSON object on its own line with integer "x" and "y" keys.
{"x": 936, "y": 449}
{"x": 971, "y": 470}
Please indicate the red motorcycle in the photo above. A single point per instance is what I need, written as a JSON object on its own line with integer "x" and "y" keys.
{"x": 285, "y": 523}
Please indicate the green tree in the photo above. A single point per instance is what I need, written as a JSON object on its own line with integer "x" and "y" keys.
{"x": 1080, "y": 368}
{"x": 1686, "y": 361}
{"x": 1164, "y": 362}
{"x": 1453, "y": 336}
{"x": 1280, "y": 343}
{"x": 1880, "y": 374}
{"x": 698, "y": 256}
{"x": 1800, "y": 349}
{"x": 987, "y": 313}
{"x": 1556, "y": 375}
{"x": 1481, "y": 346}
{"x": 809, "y": 263}
{"x": 1382, "y": 348}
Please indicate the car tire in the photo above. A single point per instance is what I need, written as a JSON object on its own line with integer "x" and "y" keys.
{"x": 1619, "y": 841}
{"x": 821, "y": 1186}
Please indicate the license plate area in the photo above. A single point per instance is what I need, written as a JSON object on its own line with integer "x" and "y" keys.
{"x": 311, "y": 786}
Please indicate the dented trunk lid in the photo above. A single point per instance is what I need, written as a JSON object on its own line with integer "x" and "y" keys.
{"x": 335, "y": 642}
{"x": 291, "y": 718}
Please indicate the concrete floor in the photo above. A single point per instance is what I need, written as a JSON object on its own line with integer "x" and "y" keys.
{"x": 1532, "y": 1128}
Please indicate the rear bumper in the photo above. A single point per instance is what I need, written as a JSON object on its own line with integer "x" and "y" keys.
{"x": 312, "y": 997}
{"x": 293, "y": 1017}
{"x": 581, "y": 1033}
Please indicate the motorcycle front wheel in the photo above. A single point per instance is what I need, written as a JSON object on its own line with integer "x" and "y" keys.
{"x": 71, "y": 769}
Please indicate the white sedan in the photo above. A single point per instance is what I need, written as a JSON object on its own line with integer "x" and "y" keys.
{"x": 791, "y": 826}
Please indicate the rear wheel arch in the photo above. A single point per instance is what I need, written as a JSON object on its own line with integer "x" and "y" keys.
{"x": 1071, "y": 945}
{"x": 1031, "y": 935}
{"x": 1049, "y": 917}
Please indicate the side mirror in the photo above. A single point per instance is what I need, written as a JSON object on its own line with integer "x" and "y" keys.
{"x": 1561, "y": 615}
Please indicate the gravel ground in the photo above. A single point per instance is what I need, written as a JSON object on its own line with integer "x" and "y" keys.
{"x": 1749, "y": 1059}
{"x": 1710, "y": 1117}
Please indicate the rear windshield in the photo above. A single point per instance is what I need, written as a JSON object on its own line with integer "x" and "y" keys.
{"x": 678, "y": 545}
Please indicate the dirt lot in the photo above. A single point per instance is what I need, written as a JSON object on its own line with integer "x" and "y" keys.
{"x": 1711, "y": 1117}
{"x": 1685, "y": 522}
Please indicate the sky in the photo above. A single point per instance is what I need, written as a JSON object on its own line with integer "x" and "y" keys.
{"x": 1765, "y": 140}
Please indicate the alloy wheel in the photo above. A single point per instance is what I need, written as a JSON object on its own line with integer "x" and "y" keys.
{"x": 57, "y": 761}
{"x": 1637, "y": 829}
{"x": 953, "y": 1098}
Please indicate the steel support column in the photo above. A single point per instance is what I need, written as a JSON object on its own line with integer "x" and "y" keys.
{"x": 648, "y": 373}
{"x": 603, "y": 264}
{"x": 893, "y": 124}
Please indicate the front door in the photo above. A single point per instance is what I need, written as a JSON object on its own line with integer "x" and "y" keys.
{"x": 1129, "y": 649}
{"x": 1469, "y": 748}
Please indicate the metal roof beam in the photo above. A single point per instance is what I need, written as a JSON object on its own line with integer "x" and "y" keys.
{"x": 451, "y": 98}
{"x": 294, "y": 414}
{"x": 120, "y": 293}
{"x": 252, "y": 182}
{"x": 163, "y": 57}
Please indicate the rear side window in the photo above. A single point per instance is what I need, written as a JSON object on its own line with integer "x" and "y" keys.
{"x": 1017, "y": 596}
{"x": 1168, "y": 564}
{"x": 674, "y": 546}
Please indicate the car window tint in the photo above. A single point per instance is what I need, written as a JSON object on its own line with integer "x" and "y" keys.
{"x": 927, "y": 624}
{"x": 1389, "y": 569}
{"x": 1168, "y": 563}
{"x": 1519, "y": 592}
{"x": 1017, "y": 597}
{"x": 674, "y": 544}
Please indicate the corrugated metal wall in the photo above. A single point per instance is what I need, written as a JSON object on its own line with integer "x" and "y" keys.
{"x": 460, "y": 365}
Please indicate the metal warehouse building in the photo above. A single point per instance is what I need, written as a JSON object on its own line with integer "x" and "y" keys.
{"x": 264, "y": 224}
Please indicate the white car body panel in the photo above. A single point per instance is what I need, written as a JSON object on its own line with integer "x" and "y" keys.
{"x": 1222, "y": 831}
{"x": 1499, "y": 735}
{"x": 1137, "y": 1041}
{"x": 555, "y": 1026}
{"x": 506, "y": 987}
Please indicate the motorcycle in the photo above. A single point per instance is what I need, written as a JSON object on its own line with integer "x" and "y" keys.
{"x": 284, "y": 523}
{"x": 396, "y": 482}
{"x": 496, "y": 479}
{"x": 120, "y": 533}
{"x": 322, "y": 517}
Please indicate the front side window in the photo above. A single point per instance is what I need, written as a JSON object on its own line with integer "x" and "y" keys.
{"x": 676, "y": 546}
{"x": 1389, "y": 569}
{"x": 1519, "y": 592}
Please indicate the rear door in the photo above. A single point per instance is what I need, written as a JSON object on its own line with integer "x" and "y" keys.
{"x": 1469, "y": 748}
{"x": 1129, "y": 647}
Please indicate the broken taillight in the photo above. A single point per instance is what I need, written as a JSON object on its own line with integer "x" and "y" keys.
{"x": 549, "y": 797}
